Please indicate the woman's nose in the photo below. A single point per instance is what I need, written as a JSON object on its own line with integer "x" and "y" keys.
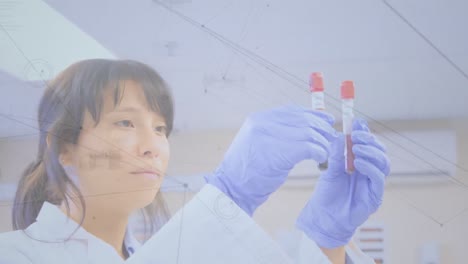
{"x": 149, "y": 144}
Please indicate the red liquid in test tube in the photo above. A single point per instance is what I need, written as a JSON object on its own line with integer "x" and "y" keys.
{"x": 347, "y": 104}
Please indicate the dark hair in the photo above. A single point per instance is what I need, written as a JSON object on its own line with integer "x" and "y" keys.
{"x": 78, "y": 88}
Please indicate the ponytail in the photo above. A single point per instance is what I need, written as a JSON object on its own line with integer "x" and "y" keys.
{"x": 30, "y": 195}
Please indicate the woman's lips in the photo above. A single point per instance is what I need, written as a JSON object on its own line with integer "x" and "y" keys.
{"x": 147, "y": 173}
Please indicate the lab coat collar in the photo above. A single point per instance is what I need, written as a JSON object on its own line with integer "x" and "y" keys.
{"x": 53, "y": 225}
{"x": 57, "y": 226}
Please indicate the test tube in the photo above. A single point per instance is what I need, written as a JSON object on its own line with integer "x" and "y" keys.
{"x": 318, "y": 100}
{"x": 347, "y": 104}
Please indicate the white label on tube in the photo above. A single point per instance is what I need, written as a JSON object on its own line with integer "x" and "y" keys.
{"x": 318, "y": 100}
{"x": 348, "y": 115}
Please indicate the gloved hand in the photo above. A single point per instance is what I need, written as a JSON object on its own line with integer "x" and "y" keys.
{"x": 341, "y": 202}
{"x": 266, "y": 148}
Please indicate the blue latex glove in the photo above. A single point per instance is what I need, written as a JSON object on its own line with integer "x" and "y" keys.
{"x": 342, "y": 202}
{"x": 266, "y": 148}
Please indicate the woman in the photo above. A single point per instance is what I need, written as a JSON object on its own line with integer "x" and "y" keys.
{"x": 103, "y": 153}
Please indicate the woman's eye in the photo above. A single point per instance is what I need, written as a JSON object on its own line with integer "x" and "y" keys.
{"x": 161, "y": 129}
{"x": 124, "y": 123}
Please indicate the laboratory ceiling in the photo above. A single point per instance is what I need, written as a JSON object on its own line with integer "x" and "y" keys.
{"x": 226, "y": 58}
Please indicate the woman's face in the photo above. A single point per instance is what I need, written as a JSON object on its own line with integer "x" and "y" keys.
{"x": 122, "y": 161}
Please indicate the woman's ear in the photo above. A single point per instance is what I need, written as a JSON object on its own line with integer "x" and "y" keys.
{"x": 68, "y": 162}
{"x": 66, "y": 155}
{"x": 48, "y": 140}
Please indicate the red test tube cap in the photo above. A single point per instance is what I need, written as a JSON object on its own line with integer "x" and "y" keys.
{"x": 316, "y": 82}
{"x": 347, "y": 90}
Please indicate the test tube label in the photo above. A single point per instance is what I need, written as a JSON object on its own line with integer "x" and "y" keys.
{"x": 348, "y": 115}
{"x": 318, "y": 101}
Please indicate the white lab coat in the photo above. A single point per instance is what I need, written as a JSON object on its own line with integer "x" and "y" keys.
{"x": 209, "y": 229}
